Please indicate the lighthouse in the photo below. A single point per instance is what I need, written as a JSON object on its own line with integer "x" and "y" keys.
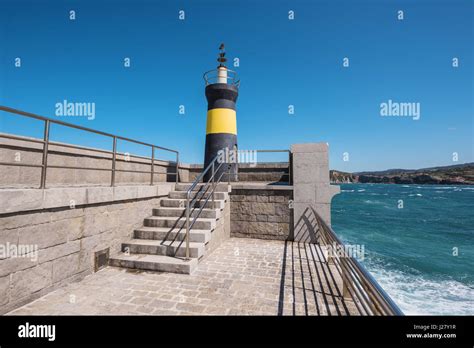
{"x": 222, "y": 90}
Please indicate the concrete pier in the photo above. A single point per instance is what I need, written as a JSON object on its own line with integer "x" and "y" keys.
{"x": 255, "y": 247}
{"x": 242, "y": 277}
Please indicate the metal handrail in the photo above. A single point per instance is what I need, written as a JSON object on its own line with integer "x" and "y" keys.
{"x": 46, "y": 142}
{"x": 211, "y": 76}
{"x": 367, "y": 294}
{"x": 211, "y": 182}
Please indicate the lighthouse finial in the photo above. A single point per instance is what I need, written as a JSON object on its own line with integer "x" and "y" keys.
{"x": 222, "y": 59}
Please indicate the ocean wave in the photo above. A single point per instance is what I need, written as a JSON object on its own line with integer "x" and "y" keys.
{"x": 417, "y": 295}
{"x": 361, "y": 190}
{"x": 436, "y": 221}
{"x": 347, "y": 190}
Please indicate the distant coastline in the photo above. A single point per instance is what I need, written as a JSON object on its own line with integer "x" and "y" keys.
{"x": 460, "y": 174}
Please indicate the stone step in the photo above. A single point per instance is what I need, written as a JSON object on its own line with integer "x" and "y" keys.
{"x": 183, "y": 195}
{"x": 176, "y": 203}
{"x": 163, "y": 247}
{"x": 154, "y": 263}
{"x": 172, "y": 222}
{"x": 221, "y": 187}
{"x": 161, "y": 233}
{"x": 181, "y": 212}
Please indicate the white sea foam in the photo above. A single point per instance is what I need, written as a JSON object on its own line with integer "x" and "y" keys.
{"x": 416, "y": 295}
{"x": 361, "y": 190}
{"x": 347, "y": 190}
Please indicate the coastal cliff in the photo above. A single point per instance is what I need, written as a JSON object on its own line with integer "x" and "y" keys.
{"x": 462, "y": 174}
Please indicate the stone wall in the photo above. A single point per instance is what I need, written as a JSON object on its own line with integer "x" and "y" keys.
{"x": 260, "y": 172}
{"x": 264, "y": 172}
{"x": 63, "y": 240}
{"x": 261, "y": 211}
{"x": 26, "y": 152}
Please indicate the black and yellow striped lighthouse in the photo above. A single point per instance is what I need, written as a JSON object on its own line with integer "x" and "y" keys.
{"x": 222, "y": 90}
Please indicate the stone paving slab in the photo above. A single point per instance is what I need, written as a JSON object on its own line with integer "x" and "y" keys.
{"x": 241, "y": 277}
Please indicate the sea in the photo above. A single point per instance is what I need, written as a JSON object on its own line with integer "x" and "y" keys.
{"x": 418, "y": 242}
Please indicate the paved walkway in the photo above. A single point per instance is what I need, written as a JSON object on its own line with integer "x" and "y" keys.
{"x": 241, "y": 277}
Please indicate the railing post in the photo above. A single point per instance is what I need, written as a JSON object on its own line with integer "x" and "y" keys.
{"x": 114, "y": 156}
{"x": 213, "y": 187}
{"x": 177, "y": 167}
{"x": 289, "y": 167}
{"x": 152, "y": 164}
{"x": 45, "y": 154}
{"x": 187, "y": 226}
{"x": 324, "y": 241}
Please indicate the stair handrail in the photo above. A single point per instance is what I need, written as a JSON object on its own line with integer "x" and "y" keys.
{"x": 211, "y": 182}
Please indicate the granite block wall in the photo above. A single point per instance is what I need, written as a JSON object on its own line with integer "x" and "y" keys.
{"x": 42, "y": 249}
{"x": 263, "y": 213}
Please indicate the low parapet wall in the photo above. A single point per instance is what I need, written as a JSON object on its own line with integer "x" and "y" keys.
{"x": 25, "y": 152}
{"x": 50, "y": 237}
{"x": 259, "y": 172}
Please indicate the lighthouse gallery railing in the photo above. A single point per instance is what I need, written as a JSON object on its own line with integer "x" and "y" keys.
{"x": 212, "y": 76}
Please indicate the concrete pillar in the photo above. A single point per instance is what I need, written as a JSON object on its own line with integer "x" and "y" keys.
{"x": 311, "y": 189}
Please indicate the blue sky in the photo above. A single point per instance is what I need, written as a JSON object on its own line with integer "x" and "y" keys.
{"x": 282, "y": 62}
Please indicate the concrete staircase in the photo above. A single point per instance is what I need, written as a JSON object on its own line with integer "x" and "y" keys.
{"x": 160, "y": 244}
